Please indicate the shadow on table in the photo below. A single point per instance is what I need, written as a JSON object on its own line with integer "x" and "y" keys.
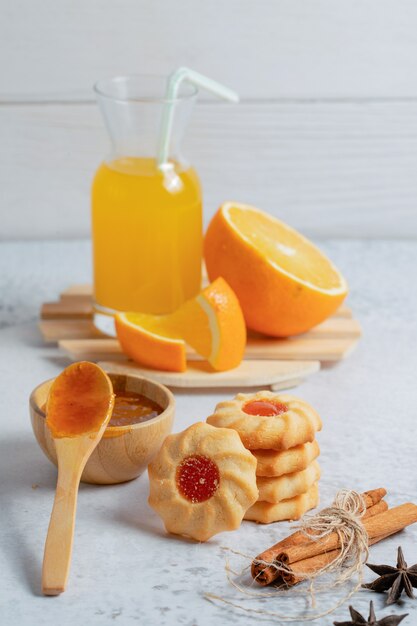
{"x": 27, "y": 488}
{"x": 135, "y": 513}
{"x": 24, "y": 472}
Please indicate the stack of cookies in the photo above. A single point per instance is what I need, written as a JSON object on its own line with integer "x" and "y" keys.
{"x": 280, "y": 432}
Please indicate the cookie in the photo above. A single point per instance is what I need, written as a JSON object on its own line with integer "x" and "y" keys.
{"x": 268, "y": 421}
{"x": 284, "y": 487}
{"x": 292, "y": 509}
{"x": 273, "y": 463}
{"x": 202, "y": 481}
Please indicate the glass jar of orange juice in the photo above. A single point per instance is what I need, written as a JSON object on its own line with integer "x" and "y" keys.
{"x": 146, "y": 217}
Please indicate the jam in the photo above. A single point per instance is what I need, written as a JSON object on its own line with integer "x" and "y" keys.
{"x": 133, "y": 408}
{"x": 198, "y": 478}
{"x": 129, "y": 408}
{"x": 265, "y": 408}
{"x": 79, "y": 401}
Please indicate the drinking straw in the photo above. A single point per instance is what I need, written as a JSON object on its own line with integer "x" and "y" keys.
{"x": 174, "y": 83}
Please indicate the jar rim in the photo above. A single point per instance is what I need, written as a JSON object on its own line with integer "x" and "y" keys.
{"x": 102, "y": 89}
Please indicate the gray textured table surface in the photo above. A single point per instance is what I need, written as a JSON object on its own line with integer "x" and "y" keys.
{"x": 125, "y": 570}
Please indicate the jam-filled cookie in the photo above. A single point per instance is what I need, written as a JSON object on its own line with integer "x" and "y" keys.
{"x": 274, "y": 463}
{"x": 202, "y": 481}
{"x": 279, "y": 488}
{"x": 268, "y": 421}
{"x": 292, "y": 509}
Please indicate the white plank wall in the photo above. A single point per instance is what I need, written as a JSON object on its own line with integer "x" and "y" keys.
{"x": 329, "y": 169}
{"x": 325, "y": 136}
{"x": 262, "y": 48}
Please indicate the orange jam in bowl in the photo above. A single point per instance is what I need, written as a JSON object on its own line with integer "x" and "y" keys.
{"x": 144, "y": 417}
{"x": 133, "y": 408}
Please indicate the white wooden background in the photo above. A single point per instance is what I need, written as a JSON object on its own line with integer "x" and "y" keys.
{"x": 325, "y": 136}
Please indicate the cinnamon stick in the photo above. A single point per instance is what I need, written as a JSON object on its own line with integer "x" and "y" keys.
{"x": 387, "y": 523}
{"x": 375, "y": 510}
{"x": 265, "y": 575}
{"x": 305, "y": 558}
{"x": 302, "y": 569}
{"x": 373, "y": 496}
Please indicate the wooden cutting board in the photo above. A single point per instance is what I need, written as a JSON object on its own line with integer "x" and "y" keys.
{"x": 278, "y": 363}
{"x": 276, "y": 375}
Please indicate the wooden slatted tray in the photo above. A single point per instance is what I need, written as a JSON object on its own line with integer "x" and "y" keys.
{"x": 69, "y": 323}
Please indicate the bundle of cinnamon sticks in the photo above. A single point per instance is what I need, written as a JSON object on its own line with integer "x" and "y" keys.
{"x": 303, "y": 556}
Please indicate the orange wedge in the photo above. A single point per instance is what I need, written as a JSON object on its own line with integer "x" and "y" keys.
{"x": 284, "y": 283}
{"x": 143, "y": 341}
{"x": 212, "y": 324}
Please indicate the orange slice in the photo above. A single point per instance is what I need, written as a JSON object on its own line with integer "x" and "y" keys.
{"x": 212, "y": 324}
{"x": 284, "y": 283}
{"x": 143, "y": 341}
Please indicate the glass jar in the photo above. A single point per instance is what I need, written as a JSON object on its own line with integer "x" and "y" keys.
{"x": 146, "y": 218}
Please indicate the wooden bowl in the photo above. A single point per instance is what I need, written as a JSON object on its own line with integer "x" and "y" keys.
{"x": 124, "y": 452}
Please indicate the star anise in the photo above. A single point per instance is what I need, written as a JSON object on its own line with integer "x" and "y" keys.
{"x": 396, "y": 579}
{"x": 359, "y": 620}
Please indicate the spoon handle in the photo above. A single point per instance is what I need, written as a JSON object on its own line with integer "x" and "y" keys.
{"x": 58, "y": 545}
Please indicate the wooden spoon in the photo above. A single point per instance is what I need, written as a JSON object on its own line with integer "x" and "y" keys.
{"x": 78, "y": 408}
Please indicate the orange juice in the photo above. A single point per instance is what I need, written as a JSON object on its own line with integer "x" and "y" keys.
{"x": 147, "y": 235}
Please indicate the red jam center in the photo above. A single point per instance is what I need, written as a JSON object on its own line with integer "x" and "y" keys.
{"x": 198, "y": 478}
{"x": 265, "y": 408}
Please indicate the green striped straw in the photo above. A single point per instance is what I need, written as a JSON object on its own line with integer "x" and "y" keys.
{"x": 174, "y": 83}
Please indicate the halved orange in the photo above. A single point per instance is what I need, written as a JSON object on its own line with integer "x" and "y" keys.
{"x": 284, "y": 283}
{"x": 212, "y": 324}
